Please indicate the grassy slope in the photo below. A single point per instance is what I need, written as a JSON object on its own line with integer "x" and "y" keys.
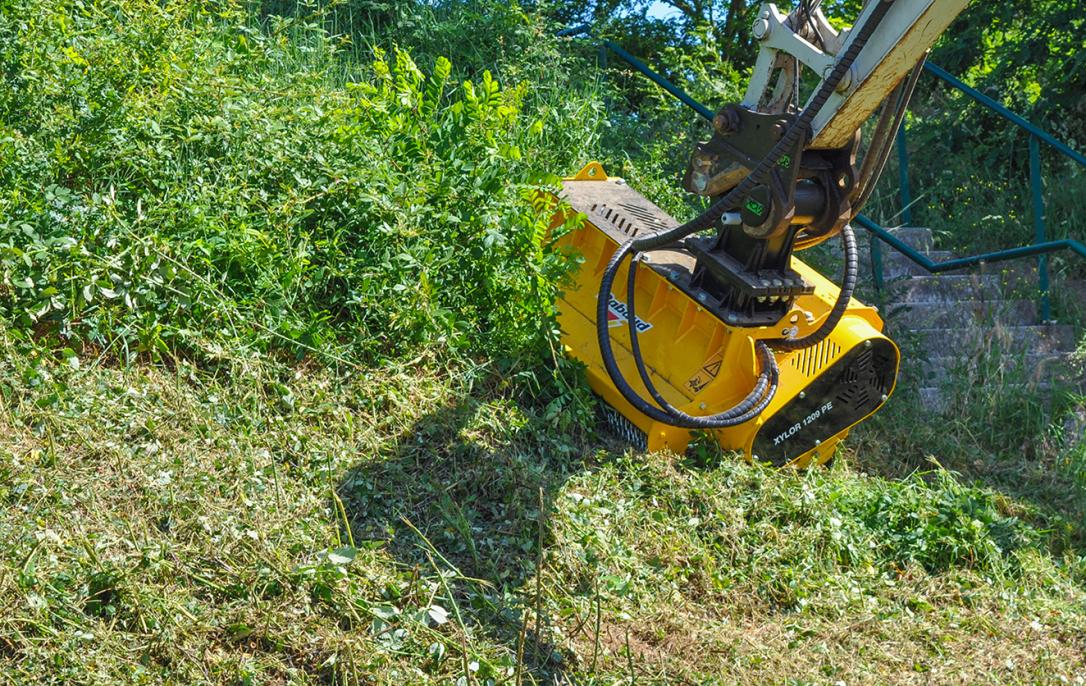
{"x": 175, "y": 527}
{"x": 238, "y": 519}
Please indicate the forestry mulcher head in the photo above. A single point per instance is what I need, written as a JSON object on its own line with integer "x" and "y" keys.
{"x": 714, "y": 324}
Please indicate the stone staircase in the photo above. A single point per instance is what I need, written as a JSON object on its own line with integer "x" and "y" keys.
{"x": 978, "y": 327}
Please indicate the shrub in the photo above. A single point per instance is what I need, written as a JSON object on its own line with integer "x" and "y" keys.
{"x": 180, "y": 177}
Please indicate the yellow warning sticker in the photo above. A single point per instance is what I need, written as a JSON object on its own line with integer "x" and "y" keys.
{"x": 707, "y": 373}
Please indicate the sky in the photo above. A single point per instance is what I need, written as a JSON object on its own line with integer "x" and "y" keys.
{"x": 662, "y": 10}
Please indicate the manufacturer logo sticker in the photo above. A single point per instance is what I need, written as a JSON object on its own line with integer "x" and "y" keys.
{"x": 618, "y": 315}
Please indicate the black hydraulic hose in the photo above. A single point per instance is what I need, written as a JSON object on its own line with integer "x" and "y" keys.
{"x": 760, "y": 396}
{"x": 899, "y": 117}
{"x": 669, "y": 414}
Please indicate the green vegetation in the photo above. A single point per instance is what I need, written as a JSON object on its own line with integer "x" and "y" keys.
{"x": 186, "y": 527}
{"x": 190, "y": 179}
{"x": 282, "y": 402}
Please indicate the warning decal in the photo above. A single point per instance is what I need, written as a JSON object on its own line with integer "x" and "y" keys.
{"x": 707, "y": 373}
{"x": 617, "y": 315}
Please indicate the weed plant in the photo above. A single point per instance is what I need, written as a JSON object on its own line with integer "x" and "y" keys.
{"x": 177, "y": 178}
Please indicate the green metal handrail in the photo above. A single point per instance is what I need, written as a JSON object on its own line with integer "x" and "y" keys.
{"x": 1040, "y": 231}
{"x": 974, "y": 260}
{"x": 1041, "y": 247}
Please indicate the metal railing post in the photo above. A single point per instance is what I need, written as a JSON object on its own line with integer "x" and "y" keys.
{"x": 1039, "y": 232}
{"x": 903, "y": 173}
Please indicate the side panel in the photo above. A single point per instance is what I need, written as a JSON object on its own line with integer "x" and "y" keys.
{"x": 841, "y": 396}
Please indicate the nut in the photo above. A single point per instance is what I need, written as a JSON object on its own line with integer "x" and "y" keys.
{"x": 727, "y": 122}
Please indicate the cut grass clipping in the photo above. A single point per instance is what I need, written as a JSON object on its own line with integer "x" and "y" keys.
{"x": 423, "y": 523}
{"x": 281, "y": 402}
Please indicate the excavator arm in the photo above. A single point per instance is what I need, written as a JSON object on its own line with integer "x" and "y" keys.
{"x": 714, "y": 324}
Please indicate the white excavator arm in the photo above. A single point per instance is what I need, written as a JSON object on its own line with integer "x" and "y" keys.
{"x": 805, "y": 37}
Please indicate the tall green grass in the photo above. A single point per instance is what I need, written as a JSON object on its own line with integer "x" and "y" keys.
{"x": 183, "y": 179}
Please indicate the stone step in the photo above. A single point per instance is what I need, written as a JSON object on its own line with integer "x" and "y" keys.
{"x": 908, "y": 316}
{"x": 1034, "y": 369}
{"x": 916, "y": 237}
{"x": 1038, "y": 339}
{"x": 933, "y": 398}
{"x": 947, "y": 288}
{"x": 937, "y": 398}
{"x": 1014, "y": 275}
{"x": 1076, "y": 290}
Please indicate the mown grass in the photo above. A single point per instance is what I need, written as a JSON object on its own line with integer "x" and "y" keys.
{"x": 424, "y": 520}
{"x": 281, "y": 401}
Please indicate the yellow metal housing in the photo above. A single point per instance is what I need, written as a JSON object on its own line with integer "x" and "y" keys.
{"x": 702, "y": 365}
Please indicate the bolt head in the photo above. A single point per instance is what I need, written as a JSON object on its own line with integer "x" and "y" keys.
{"x": 761, "y": 28}
{"x": 699, "y": 181}
{"x": 727, "y": 121}
{"x": 846, "y": 80}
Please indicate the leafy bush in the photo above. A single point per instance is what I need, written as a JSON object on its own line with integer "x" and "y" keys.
{"x": 180, "y": 177}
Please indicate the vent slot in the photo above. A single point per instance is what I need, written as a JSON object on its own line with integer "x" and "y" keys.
{"x": 630, "y": 219}
{"x": 860, "y": 381}
{"x": 648, "y": 219}
{"x": 811, "y": 361}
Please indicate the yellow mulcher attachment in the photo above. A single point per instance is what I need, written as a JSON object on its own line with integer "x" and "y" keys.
{"x": 714, "y": 324}
{"x": 701, "y": 364}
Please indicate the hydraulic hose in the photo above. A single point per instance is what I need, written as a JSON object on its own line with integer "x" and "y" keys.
{"x": 751, "y": 406}
{"x": 870, "y": 173}
{"x": 765, "y": 387}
